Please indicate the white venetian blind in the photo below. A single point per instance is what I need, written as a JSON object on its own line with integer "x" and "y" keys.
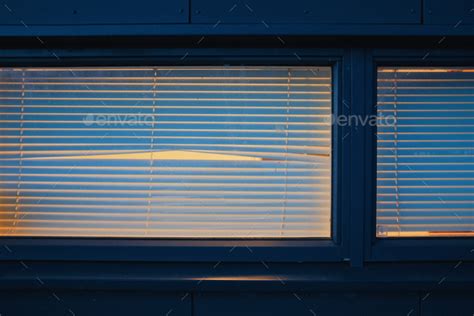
{"x": 191, "y": 152}
{"x": 425, "y": 161}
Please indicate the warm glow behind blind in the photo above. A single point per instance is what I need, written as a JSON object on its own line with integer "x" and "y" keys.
{"x": 425, "y": 162}
{"x": 191, "y": 152}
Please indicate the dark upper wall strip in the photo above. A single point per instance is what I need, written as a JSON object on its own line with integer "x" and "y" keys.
{"x": 230, "y": 17}
{"x": 239, "y": 29}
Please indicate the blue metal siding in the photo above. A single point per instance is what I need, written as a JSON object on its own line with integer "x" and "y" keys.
{"x": 296, "y": 303}
{"x": 52, "y": 302}
{"x": 453, "y": 13}
{"x": 306, "y": 11}
{"x": 263, "y": 17}
{"x": 448, "y": 304}
{"x": 85, "y": 12}
{"x": 64, "y": 302}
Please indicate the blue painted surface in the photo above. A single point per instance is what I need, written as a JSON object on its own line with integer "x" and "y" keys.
{"x": 448, "y": 304}
{"x": 263, "y": 17}
{"x": 453, "y": 13}
{"x": 200, "y": 30}
{"x": 91, "y": 303}
{"x": 296, "y": 303}
{"x": 304, "y": 11}
{"x": 57, "y": 12}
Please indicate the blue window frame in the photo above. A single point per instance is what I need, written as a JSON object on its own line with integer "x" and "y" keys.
{"x": 334, "y": 249}
{"x": 408, "y": 248}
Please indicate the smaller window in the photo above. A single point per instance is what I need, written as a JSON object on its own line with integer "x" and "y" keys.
{"x": 425, "y": 153}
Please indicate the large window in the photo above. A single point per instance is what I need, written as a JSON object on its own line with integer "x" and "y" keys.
{"x": 191, "y": 152}
{"x": 425, "y": 159}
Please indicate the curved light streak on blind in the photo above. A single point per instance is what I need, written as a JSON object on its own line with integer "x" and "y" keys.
{"x": 172, "y": 152}
{"x": 425, "y": 162}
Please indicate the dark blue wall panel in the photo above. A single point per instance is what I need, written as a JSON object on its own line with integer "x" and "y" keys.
{"x": 54, "y": 302}
{"x": 454, "y": 12}
{"x": 306, "y": 11}
{"x": 447, "y": 304}
{"x": 294, "y": 304}
{"x": 56, "y": 12}
{"x": 93, "y": 303}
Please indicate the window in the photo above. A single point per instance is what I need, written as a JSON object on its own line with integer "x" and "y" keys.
{"x": 185, "y": 152}
{"x": 425, "y": 162}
